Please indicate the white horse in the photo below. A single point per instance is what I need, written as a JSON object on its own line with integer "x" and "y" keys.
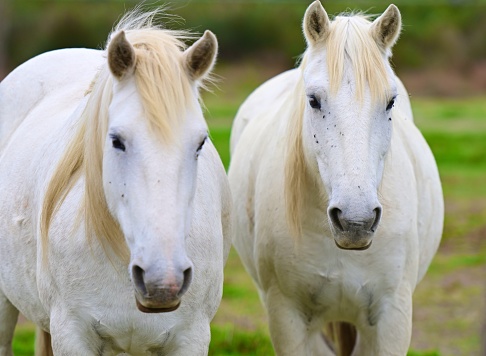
{"x": 115, "y": 204}
{"x": 338, "y": 205}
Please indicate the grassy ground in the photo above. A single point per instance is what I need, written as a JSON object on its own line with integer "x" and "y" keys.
{"x": 448, "y": 304}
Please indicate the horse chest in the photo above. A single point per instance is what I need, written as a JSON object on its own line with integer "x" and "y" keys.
{"x": 334, "y": 286}
{"x": 329, "y": 287}
{"x": 127, "y": 341}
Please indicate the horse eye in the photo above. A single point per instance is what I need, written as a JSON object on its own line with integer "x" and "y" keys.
{"x": 390, "y": 104}
{"x": 117, "y": 143}
{"x": 199, "y": 148}
{"x": 314, "y": 103}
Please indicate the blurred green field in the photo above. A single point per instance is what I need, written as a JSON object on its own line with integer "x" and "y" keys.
{"x": 448, "y": 304}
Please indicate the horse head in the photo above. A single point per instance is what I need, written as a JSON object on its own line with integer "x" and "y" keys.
{"x": 154, "y": 134}
{"x": 350, "y": 90}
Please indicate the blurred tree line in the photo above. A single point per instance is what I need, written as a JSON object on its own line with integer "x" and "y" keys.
{"x": 445, "y": 37}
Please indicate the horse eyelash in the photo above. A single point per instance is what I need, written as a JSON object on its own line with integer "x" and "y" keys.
{"x": 201, "y": 145}
{"x": 117, "y": 142}
{"x": 391, "y": 103}
{"x": 317, "y": 102}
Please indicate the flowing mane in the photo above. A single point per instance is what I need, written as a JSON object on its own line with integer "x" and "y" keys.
{"x": 349, "y": 43}
{"x": 165, "y": 89}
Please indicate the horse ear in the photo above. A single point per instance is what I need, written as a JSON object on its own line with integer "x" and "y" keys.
{"x": 201, "y": 56}
{"x": 121, "y": 56}
{"x": 316, "y": 23}
{"x": 386, "y": 28}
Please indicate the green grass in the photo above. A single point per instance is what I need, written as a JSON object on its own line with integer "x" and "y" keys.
{"x": 229, "y": 340}
{"x": 444, "y": 264}
{"x": 23, "y": 344}
{"x": 220, "y": 137}
{"x": 423, "y": 353}
{"x": 459, "y": 150}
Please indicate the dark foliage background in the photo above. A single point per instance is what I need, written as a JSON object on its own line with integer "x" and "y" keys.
{"x": 442, "y": 41}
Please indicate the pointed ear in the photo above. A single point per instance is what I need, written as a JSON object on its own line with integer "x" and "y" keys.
{"x": 316, "y": 23}
{"x": 201, "y": 56}
{"x": 121, "y": 56}
{"x": 386, "y": 28}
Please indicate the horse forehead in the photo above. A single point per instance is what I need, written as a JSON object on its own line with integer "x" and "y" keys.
{"x": 315, "y": 68}
{"x": 316, "y": 78}
{"x": 125, "y": 89}
{"x": 316, "y": 73}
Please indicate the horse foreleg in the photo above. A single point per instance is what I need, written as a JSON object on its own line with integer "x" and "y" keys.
{"x": 389, "y": 332}
{"x": 70, "y": 337}
{"x": 8, "y": 320}
{"x": 291, "y": 331}
{"x": 194, "y": 340}
{"x": 43, "y": 345}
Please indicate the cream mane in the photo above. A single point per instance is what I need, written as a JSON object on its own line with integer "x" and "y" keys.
{"x": 165, "y": 89}
{"x": 348, "y": 43}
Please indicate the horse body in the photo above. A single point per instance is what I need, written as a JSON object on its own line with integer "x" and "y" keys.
{"x": 78, "y": 287}
{"x": 303, "y": 278}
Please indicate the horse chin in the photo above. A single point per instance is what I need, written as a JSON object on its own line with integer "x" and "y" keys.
{"x": 157, "y": 309}
{"x": 353, "y": 240}
{"x": 353, "y": 248}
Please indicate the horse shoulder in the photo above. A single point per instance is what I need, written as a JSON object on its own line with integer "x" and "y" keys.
{"x": 430, "y": 202}
{"x": 260, "y": 101}
{"x": 258, "y": 133}
{"x": 256, "y": 177}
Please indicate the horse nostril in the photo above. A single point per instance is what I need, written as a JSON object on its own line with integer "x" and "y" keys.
{"x": 334, "y": 214}
{"x": 186, "y": 282}
{"x": 377, "y": 219}
{"x": 138, "y": 279}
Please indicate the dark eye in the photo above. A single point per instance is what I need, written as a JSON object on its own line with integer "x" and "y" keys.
{"x": 199, "y": 148}
{"x": 390, "y": 104}
{"x": 117, "y": 142}
{"x": 314, "y": 103}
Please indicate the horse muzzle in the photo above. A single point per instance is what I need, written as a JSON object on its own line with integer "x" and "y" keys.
{"x": 351, "y": 231}
{"x": 159, "y": 295}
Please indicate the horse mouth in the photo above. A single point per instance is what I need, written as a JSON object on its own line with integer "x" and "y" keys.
{"x": 152, "y": 310}
{"x": 352, "y": 248}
